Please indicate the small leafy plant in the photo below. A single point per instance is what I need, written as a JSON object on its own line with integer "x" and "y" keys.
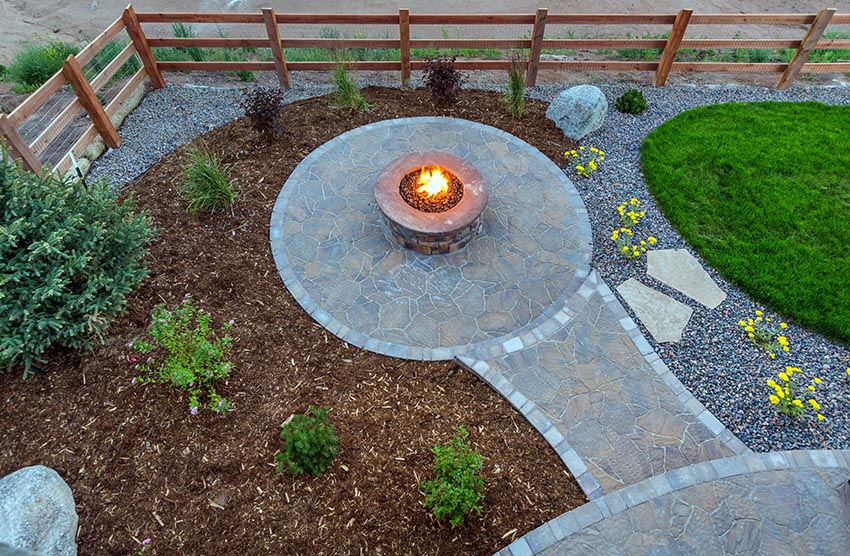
{"x": 183, "y": 350}
{"x": 347, "y": 93}
{"x": 762, "y": 332}
{"x": 69, "y": 256}
{"x": 586, "y": 160}
{"x": 787, "y": 394}
{"x": 310, "y": 444}
{"x": 145, "y": 544}
{"x": 443, "y": 79}
{"x": 205, "y": 181}
{"x": 514, "y": 98}
{"x": 631, "y": 102}
{"x": 457, "y": 489}
{"x": 264, "y": 107}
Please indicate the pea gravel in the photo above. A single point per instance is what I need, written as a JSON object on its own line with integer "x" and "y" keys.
{"x": 714, "y": 360}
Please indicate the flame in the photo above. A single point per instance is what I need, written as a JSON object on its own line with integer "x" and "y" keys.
{"x": 432, "y": 182}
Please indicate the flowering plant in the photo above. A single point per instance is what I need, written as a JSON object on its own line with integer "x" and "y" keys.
{"x": 624, "y": 238}
{"x": 586, "y": 159}
{"x": 145, "y": 544}
{"x": 764, "y": 334}
{"x": 630, "y": 213}
{"x": 786, "y": 395}
{"x": 184, "y": 351}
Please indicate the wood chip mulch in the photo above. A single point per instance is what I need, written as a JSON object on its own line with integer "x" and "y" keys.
{"x": 140, "y": 466}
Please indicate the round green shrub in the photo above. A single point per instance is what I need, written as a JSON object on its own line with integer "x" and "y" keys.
{"x": 68, "y": 257}
{"x": 457, "y": 489}
{"x": 631, "y": 102}
{"x": 310, "y": 444}
{"x": 36, "y": 63}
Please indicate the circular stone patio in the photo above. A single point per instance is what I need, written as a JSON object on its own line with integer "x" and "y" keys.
{"x": 490, "y": 298}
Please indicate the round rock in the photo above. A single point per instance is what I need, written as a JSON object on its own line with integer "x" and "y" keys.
{"x": 578, "y": 110}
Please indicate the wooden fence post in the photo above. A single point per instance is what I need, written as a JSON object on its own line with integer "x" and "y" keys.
{"x": 270, "y": 17}
{"x": 404, "y": 37}
{"x": 672, "y": 46}
{"x": 143, "y": 49}
{"x": 19, "y": 147}
{"x": 74, "y": 74}
{"x": 805, "y": 48}
{"x": 536, "y": 46}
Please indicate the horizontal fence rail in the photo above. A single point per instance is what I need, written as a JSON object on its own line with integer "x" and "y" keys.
{"x": 532, "y": 46}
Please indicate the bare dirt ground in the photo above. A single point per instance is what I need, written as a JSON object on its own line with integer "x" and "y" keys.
{"x": 72, "y": 20}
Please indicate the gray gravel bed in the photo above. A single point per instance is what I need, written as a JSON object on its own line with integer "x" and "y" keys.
{"x": 714, "y": 360}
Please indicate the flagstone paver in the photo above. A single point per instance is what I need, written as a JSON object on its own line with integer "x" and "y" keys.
{"x": 622, "y": 413}
{"x": 663, "y": 316}
{"x": 681, "y": 271}
{"x": 789, "y": 503}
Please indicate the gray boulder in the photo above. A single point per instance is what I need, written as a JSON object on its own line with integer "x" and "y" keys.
{"x": 6, "y": 550}
{"x": 37, "y": 512}
{"x": 578, "y": 110}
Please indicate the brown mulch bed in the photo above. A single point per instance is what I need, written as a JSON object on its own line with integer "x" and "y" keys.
{"x": 141, "y": 466}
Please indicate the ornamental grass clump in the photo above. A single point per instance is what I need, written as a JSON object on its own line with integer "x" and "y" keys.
{"x": 347, "y": 93}
{"x": 585, "y": 160}
{"x": 762, "y": 332}
{"x": 628, "y": 244}
{"x": 183, "y": 350}
{"x": 36, "y": 63}
{"x": 69, "y": 255}
{"x": 787, "y": 394}
{"x": 205, "y": 182}
{"x": 310, "y": 444}
{"x": 457, "y": 489}
{"x": 514, "y": 99}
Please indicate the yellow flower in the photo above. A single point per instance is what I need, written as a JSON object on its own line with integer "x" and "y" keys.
{"x": 783, "y": 341}
{"x": 592, "y": 165}
{"x": 626, "y": 230}
{"x": 750, "y": 322}
{"x": 780, "y": 393}
{"x": 772, "y": 355}
{"x": 786, "y": 348}
{"x": 798, "y": 403}
{"x": 749, "y": 328}
{"x": 581, "y": 148}
{"x": 783, "y": 325}
{"x": 773, "y": 399}
{"x": 821, "y": 417}
{"x": 771, "y": 383}
{"x": 594, "y": 149}
{"x": 758, "y": 319}
{"x": 811, "y": 387}
{"x": 615, "y": 234}
{"x": 815, "y": 405}
{"x": 818, "y": 381}
{"x": 634, "y": 201}
{"x": 783, "y": 376}
{"x": 580, "y": 168}
{"x": 742, "y": 323}
{"x": 759, "y": 313}
{"x": 848, "y": 370}
{"x": 601, "y": 158}
{"x": 642, "y": 242}
{"x": 652, "y": 241}
{"x": 751, "y": 335}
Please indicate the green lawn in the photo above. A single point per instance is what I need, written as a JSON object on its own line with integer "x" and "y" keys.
{"x": 762, "y": 192}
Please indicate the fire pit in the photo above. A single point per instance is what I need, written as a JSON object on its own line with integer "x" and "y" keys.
{"x": 431, "y": 201}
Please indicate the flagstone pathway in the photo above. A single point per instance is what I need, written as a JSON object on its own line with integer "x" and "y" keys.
{"x": 521, "y": 307}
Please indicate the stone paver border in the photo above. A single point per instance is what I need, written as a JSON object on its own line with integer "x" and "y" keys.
{"x": 563, "y": 526}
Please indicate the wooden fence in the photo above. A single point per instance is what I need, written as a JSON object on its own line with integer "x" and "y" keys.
{"x": 678, "y": 23}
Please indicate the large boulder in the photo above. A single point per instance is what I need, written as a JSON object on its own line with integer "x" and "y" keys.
{"x": 578, "y": 110}
{"x": 37, "y": 512}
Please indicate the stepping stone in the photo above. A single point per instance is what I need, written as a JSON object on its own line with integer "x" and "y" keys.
{"x": 681, "y": 271}
{"x": 663, "y": 316}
